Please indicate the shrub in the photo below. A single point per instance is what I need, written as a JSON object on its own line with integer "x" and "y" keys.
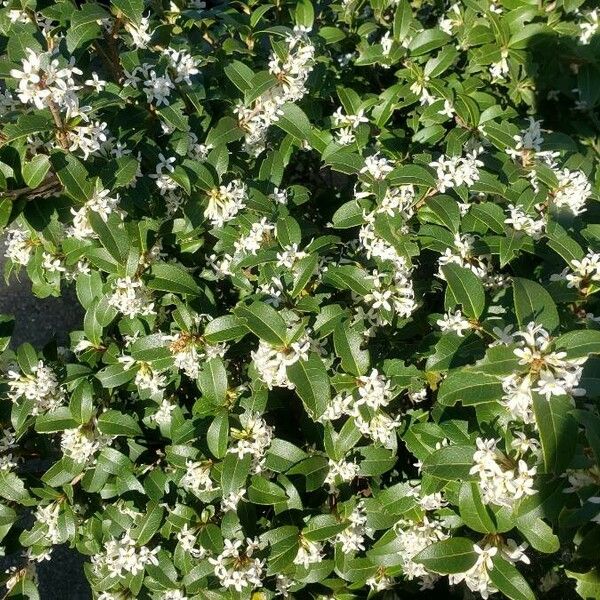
{"x": 340, "y": 292}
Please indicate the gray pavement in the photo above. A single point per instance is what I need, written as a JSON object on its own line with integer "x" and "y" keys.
{"x": 38, "y": 321}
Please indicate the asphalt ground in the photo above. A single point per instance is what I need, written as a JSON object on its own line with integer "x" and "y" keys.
{"x": 39, "y": 321}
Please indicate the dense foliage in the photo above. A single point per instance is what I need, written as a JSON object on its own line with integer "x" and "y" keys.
{"x": 339, "y": 264}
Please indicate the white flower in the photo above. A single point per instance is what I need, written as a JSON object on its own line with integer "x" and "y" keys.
{"x": 131, "y": 297}
{"x": 340, "y": 471}
{"x": 141, "y": 33}
{"x": 225, "y": 202}
{"x": 19, "y": 245}
{"x": 123, "y": 556}
{"x": 290, "y": 256}
{"x": 158, "y": 88}
{"x": 454, "y": 322}
{"x": 197, "y": 477}
{"x": 82, "y": 443}
{"x": 590, "y": 27}
{"x": 236, "y": 568}
{"x": 41, "y": 386}
{"x": 521, "y": 221}
{"x": 95, "y": 82}
{"x": 377, "y": 166}
{"x": 163, "y": 415}
{"x": 573, "y": 191}
{"x": 183, "y": 64}
{"x": 457, "y": 170}
{"x": 272, "y": 363}
{"x": 309, "y": 553}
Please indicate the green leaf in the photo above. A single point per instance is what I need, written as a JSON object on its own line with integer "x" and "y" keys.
{"x": 428, "y": 40}
{"x": 579, "y": 344}
{"x": 114, "y": 422}
{"x": 213, "y": 382}
{"x": 538, "y": 533}
{"x": 450, "y": 463}
{"x": 403, "y": 19}
{"x": 224, "y": 329}
{"x": 463, "y": 386}
{"x": 288, "y": 231}
{"x": 588, "y": 584}
{"x": 411, "y": 175}
{"x": 558, "y": 431}
{"x": 510, "y": 245}
{"x": 12, "y": 488}
{"x": 73, "y": 175}
{"x": 348, "y": 277}
{"x": 454, "y": 555}
{"x": 217, "y": 435}
{"x": 509, "y": 581}
{"x": 226, "y": 131}
{"x": 473, "y": 511}
{"x": 323, "y": 527}
{"x": 234, "y": 473}
{"x": 84, "y": 25}
{"x": 240, "y": 75}
{"x": 349, "y": 215}
{"x": 304, "y": 13}
{"x": 263, "y": 491}
{"x": 145, "y": 530}
{"x": 132, "y": 9}
{"x": 35, "y": 170}
{"x": 534, "y": 304}
{"x": 26, "y": 125}
{"x": 264, "y": 321}
{"x": 344, "y": 161}
{"x": 304, "y": 270}
{"x": 314, "y": 469}
{"x": 348, "y": 341}
{"x": 464, "y": 288}
{"x": 312, "y": 384}
{"x": 112, "y": 235}
{"x": 173, "y": 278}
{"x": 294, "y": 121}
{"x": 55, "y": 420}
{"x": 115, "y": 376}
{"x": 27, "y": 358}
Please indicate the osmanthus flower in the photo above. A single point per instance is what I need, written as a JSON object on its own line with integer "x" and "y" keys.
{"x": 502, "y": 480}
{"x": 456, "y": 322}
{"x": 463, "y": 254}
{"x": 121, "y": 556}
{"x": 535, "y": 225}
{"x": 291, "y": 72}
{"x": 581, "y": 273}
{"x": 41, "y": 385}
{"x": 225, "y": 202}
{"x": 413, "y": 537}
{"x": 102, "y": 203}
{"x": 236, "y": 566}
{"x": 83, "y": 442}
{"x": 131, "y": 297}
{"x": 309, "y": 552}
{"x": 42, "y": 79}
{"x": 457, "y": 170}
{"x": 477, "y": 578}
{"x": 352, "y": 538}
{"x": 572, "y": 192}
{"x": 253, "y": 438}
{"x": 188, "y": 540}
{"x": 19, "y": 245}
{"x": 306, "y": 259}
{"x": 196, "y": 478}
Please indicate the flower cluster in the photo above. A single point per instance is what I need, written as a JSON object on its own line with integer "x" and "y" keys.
{"x": 336, "y": 271}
